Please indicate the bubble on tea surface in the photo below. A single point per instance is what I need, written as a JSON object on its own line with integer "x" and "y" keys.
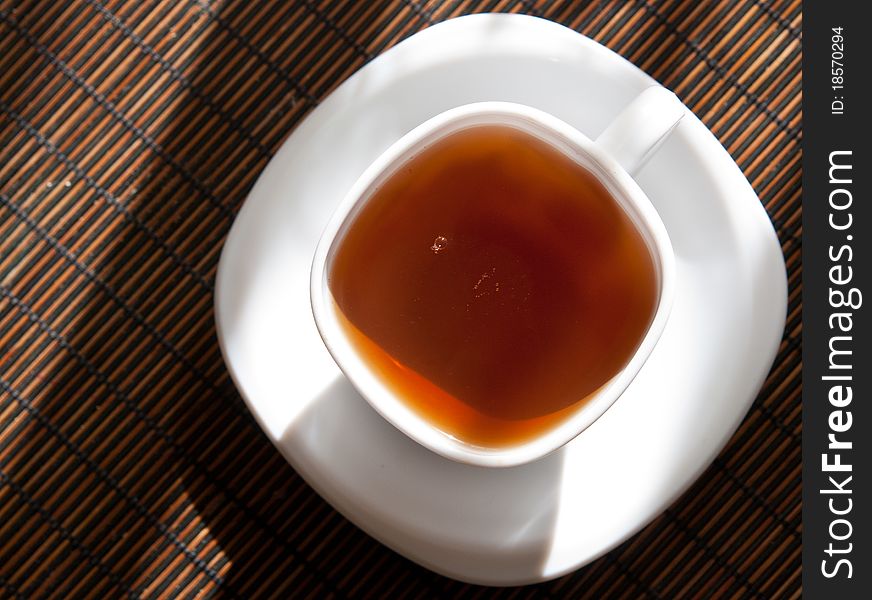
{"x": 439, "y": 244}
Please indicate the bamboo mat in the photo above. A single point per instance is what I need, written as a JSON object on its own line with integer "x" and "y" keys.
{"x": 130, "y": 133}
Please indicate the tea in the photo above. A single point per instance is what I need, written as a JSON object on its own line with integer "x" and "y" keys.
{"x": 494, "y": 284}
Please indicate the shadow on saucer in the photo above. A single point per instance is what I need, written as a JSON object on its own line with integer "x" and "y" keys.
{"x": 440, "y": 512}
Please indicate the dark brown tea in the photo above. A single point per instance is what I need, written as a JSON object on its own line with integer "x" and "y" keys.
{"x": 494, "y": 284}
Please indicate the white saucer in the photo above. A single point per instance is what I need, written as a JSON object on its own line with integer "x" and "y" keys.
{"x": 537, "y": 521}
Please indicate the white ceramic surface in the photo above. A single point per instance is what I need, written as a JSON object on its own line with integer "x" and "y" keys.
{"x": 543, "y": 519}
{"x": 577, "y": 147}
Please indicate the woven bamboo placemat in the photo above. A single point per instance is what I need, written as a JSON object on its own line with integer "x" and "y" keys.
{"x": 130, "y": 133}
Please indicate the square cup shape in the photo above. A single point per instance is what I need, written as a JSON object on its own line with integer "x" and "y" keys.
{"x": 582, "y": 150}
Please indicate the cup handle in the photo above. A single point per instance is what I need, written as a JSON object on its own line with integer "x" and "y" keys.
{"x": 638, "y": 131}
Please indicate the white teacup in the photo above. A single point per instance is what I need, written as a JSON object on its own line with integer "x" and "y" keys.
{"x": 617, "y": 153}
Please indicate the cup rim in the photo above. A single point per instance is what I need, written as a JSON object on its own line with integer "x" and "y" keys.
{"x": 567, "y": 140}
